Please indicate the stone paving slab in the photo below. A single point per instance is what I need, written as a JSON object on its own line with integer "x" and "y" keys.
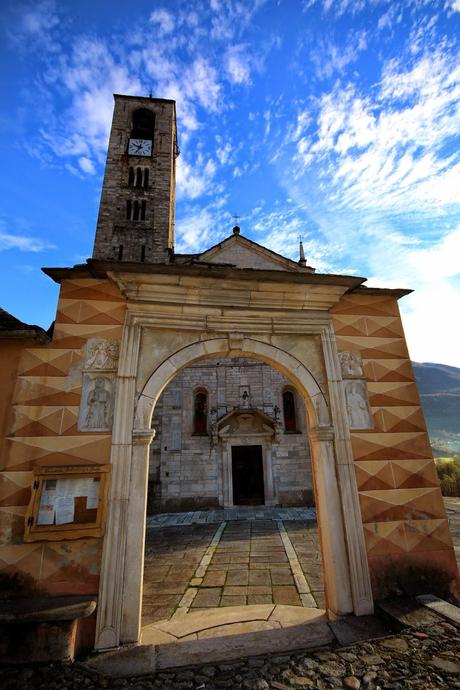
{"x": 226, "y": 632}
{"x": 230, "y": 514}
{"x": 238, "y": 562}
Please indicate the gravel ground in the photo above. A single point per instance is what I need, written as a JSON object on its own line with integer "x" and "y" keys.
{"x": 424, "y": 659}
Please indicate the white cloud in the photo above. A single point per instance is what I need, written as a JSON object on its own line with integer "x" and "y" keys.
{"x": 330, "y": 58}
{"x": 237, "y": 64}
{"x": 22, "y": 242}
{"x": 429, "y": 314}
{"x": 455, "y": 5}
{"x": 86, "y": 165}
{"x": 164, "y": 21}
{"x": 389, "y": 152}
{"x": 194, "y": 180}
{"x": 201, "y": 228}
{"x": 224, "y": 153}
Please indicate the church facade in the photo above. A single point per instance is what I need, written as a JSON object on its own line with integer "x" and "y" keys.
{"x": 226, "y": 350}
{"x": 229, "y": 432}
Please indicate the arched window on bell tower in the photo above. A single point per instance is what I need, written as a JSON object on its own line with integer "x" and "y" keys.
{"x": 289, "y": 411}
{"x": 200, "y": 412}
{"x": 143, "y": 124}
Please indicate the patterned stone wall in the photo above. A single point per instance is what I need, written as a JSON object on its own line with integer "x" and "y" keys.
{"x": 185, "y": 469}
{"x": 44, "y": 432}
{"x": 402, "y": 508}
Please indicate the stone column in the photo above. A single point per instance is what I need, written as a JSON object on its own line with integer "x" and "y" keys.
{"x": 112, "y": 586}
{"x": 330, "y": 522}
{"x": 135, "y": 538}
{"x": 356, "y": 546}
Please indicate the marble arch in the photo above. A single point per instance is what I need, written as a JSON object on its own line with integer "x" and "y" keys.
{"x": 346, "y": 575}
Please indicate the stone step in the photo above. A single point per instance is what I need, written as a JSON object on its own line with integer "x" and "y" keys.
{"x": 218, "y": 635}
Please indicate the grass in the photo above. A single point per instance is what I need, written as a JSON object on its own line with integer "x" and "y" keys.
{"x": 449, "y": 475}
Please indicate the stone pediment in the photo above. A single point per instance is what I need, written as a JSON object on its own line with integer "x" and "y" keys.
{"x": 246, "y": 422}
{"x": 240, "y": 252}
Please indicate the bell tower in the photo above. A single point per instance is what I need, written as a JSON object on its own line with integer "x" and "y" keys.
{"x": 136, "y": 211}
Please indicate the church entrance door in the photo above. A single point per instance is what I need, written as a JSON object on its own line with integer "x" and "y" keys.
{"x": 248, "y": 476}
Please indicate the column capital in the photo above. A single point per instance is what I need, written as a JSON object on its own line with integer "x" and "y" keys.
{"x": 322, "y": 433}
{"x": 143, "y": 437}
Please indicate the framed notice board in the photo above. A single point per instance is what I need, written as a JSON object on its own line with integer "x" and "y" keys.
{"x": 67, "y": 503}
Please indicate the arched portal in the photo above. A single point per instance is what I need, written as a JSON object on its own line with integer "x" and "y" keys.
{"x": 347, "y": 584}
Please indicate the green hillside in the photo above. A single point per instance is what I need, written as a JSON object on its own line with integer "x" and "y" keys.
{"x": 439, "y": 388}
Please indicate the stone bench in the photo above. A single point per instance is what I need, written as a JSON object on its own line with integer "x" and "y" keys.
{"x": 45, "y": 628}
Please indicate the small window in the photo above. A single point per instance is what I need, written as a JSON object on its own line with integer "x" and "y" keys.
{"x": 136, "y": 210}
{"x": 143, "y": 209}
{"x": 131, "y": 177}
{"x": 289, "y": 411}
{"x": 120, "y": 252}
{"x": 138, "y": 177}
{"x": 146, "y": 178}
{"x": 200, "y": 413}
{"x": 129, "y": 209}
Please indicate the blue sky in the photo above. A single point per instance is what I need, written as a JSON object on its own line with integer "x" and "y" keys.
{"x": 334, "y": 120}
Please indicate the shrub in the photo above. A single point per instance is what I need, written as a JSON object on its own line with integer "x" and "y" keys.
{"x": 449, "y": 476}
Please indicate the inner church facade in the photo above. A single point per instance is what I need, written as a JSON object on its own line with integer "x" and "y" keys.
{"x": 229, "y": 432}
{"x": 232, "y": 376}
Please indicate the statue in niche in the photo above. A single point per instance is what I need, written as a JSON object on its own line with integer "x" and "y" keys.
{"x": 357, "y": 407}
{"x": 245, "y": 398}
{"x": 101, "y": 354}
{"x": 351, "y": 364}
{"x": 98, "y": 402}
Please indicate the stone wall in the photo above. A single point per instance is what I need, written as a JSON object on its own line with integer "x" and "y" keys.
{"x": 186, "y": 469}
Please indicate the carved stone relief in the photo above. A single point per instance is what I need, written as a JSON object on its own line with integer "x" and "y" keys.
{"x": 96, "y": 406}
{"x": 351, "y": 365}
{"x": 101, "y": 354}
{"x": 359, "y": 414}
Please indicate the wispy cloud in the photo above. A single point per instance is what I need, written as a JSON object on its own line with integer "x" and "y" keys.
{"x": 330, "y": 59}
{"x": 387, "y": 152}
{"x": 23, "y": 243}
{"x": 163, "y": 20}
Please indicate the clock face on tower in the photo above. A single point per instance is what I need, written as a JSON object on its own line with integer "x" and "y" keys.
{"x": 140, "y": 147}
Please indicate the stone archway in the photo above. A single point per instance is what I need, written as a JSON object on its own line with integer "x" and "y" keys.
{"x": 346, "y": 576}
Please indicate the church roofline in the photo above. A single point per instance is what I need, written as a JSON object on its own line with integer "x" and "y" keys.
{"x": 100, "y": 269}
{"x": 395, "y": 292}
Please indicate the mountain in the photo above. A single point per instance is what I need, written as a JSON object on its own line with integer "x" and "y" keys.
{"x": 439, "y": 388}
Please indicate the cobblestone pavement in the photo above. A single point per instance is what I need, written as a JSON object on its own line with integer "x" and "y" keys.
{"x": 417, "y": 659}
{"x": 232, "y": 563}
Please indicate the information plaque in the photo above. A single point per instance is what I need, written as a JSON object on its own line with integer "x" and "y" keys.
{"x": 66, "y": 503}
